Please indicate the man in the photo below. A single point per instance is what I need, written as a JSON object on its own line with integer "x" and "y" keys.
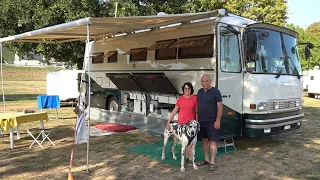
{"x": 209, "y": 117}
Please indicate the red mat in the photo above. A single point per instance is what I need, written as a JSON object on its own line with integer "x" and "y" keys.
{"x": 115, "y": 127}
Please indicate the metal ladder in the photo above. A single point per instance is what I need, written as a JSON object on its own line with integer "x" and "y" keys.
{"x": 227, "y": 141}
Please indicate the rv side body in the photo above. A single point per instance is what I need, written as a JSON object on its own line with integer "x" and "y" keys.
{"x": 134, "y": 74}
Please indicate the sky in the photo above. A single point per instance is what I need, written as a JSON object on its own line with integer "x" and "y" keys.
{"x": 303, "y": 12}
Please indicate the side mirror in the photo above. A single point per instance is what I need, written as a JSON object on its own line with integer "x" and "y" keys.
{"x": 307, "y": 52}
{"x": 307, "y": 48}
{"x": 310, "y": 45}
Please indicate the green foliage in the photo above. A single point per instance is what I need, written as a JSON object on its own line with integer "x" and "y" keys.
{"x": 270, "y": 11}
{"x": 21, "y": 16}
{"x": 308, "y": 36}
{"x": 314, "y": 28}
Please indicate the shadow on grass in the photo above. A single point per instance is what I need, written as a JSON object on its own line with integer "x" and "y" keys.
{"x": 110, "y": 159}
{"x": 19, "y": 97}
{"x": 25, "y": 160}
{"x": 52, "y": 162}
{"x": 311, "y": 112}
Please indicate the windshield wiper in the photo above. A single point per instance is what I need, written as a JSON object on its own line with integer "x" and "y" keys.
{"x": 295, "y": 68}
{"x": 279, "y": 73}
{"x": 298, "y": 75}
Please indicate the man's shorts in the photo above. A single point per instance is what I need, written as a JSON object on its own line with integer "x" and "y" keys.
{"x": 207, "y": 130}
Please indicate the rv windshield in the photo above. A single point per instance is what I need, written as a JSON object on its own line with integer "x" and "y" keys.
{"x": 274, "y": 53}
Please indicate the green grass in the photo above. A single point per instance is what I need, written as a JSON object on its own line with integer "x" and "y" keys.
{"x": 22, "y": 85}
{"x": 26, "y": 68}
{"x": 21, "y": 73}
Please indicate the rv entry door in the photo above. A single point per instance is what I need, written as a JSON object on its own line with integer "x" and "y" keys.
{"x": 230, "y": 77}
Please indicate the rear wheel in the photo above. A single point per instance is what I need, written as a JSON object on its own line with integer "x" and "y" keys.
{"x": 113, "y": 104}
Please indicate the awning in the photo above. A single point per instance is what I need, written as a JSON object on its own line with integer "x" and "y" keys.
{"x": 162, "y": 44}
{"x": 110, "y": 53}
{"x": 135, "y": 51}
{"x": 103, "y": 27}
{"x": 94, "y": 55}
{"x": 190, "y": 42}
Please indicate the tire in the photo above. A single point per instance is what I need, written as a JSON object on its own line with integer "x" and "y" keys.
{"x": 113, "y": 104}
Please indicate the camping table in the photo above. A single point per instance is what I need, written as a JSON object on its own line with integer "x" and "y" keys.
{"x": 13, "y": 119}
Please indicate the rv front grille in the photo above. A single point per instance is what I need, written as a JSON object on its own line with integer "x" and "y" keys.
{"x": 275, "y": 105}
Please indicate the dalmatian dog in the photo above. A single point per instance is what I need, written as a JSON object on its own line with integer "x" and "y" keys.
{"x": 187, "y": 134}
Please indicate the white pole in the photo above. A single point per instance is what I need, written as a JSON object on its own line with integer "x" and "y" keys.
{"x": 89, "y": 97}
{"x": 3, "y": 98}
{"x": 115, "y": 13}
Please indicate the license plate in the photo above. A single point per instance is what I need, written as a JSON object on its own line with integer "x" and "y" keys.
{"x": 287, "y": 127}
{"x": 268, "y": 130}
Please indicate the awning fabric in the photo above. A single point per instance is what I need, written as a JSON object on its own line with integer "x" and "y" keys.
{"x": 105, "y": 27}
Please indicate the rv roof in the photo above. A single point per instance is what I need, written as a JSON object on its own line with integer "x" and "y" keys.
{"x": 108, "y": 27}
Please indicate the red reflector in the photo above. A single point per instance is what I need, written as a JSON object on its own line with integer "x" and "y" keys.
{"x": 152, "y": 77}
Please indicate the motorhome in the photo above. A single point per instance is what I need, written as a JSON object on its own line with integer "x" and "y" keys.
{"x": 63, "y": 83}
{"x": 313, "y": 82}
{"x": 255, "y": 66}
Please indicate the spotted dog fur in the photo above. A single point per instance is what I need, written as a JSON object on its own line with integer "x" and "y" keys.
{"x": 187, "y": 134}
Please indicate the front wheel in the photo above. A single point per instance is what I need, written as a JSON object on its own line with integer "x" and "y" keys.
{"x": 113, "y": 104}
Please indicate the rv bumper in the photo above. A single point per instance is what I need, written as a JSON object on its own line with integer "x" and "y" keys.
{"x": 266, "y": 127}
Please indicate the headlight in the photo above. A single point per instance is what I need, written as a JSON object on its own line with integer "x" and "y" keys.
{"x": 297, "y": 103}
{"x": 263, "y": 106}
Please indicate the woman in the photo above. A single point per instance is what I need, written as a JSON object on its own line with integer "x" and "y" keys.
{"x": 187, "y": 105}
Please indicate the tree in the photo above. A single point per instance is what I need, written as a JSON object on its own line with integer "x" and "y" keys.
{"x": 270, "y": 11}
{"x": 27, "y": 15}
{"x": 314, "y": 31}
{"x": 22, "y": 16}
{"x": 303, "y": 37}
{"x": 314, "y": 28}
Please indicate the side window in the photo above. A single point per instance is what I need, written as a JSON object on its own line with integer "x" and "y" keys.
{"x": 195, "y": 47}
{"x": 139, "y": 54}
{"x": 97, "y": 57}
{"x": 229, "y": 51}
{"x": 112, "y": 56}
{"x": 162, "y": 50}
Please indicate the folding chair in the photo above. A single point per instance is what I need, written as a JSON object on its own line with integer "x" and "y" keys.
{"x": 44, "y": 132}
